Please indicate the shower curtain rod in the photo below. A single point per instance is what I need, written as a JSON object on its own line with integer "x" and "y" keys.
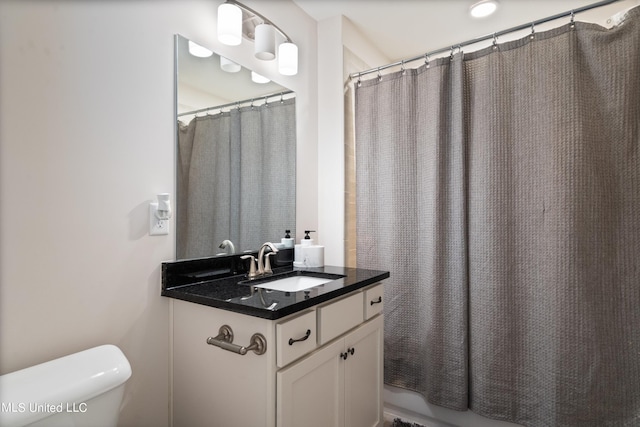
{"x": 531, "y": 25}
{"x": 238, "y": 103}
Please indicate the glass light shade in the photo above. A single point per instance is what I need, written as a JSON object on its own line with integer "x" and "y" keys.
{"x": 483, "y": 8}
{"x": 200, "y": 51}
{"x": 257, "y": 78}
{"x": 265, "y": 42}
{"x": 229, "y": 24}
{"x": 288, "y": 59}
{"x": 229, "y": 66}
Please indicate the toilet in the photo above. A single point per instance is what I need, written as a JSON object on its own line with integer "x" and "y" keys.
{"x": 83, "y": 389}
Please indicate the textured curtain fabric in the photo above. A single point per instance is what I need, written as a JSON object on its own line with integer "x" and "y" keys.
{"x": 236, "y": 179}
{"x": 410, "y": 220}
{"x": 203, "y": 181}
{"x": 502, "y": 190}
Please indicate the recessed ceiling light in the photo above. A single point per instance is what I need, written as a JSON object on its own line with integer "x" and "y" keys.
{"x": 483, "y": 8}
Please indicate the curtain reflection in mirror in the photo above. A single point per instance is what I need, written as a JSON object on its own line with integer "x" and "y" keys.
{"x": 236, "y": 175}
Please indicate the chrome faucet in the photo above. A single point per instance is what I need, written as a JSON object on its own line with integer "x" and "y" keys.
{"x": 228, "y": 244}
{"x": 264, "y": 266}
{"x": 252, "y": 274}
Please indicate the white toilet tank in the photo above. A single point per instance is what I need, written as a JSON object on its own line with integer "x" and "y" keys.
{"x": 83, "y": 389}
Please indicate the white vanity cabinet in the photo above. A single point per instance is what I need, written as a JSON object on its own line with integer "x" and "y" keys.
{"x": 322, "y": 366}
{"x": 338, "y": 385}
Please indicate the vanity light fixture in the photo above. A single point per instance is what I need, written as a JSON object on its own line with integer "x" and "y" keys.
{"x": 229, "y": 66}
{"x": 229, "y": 24}
{"x": 159, "y": 215}
{"x": 288, "y": 62}
{"x": 257, "y": 78}
{"x": 236, "y": 21}
{"x": 200, "y": 51}
{"x": 265, "y": 42}
{"x": 483, "y": 8}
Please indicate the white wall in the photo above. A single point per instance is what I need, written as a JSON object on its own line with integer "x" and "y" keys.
{"x": 333, "y": 34}
{"x": 86, "y": 141}
{"x": 330, "y": 142}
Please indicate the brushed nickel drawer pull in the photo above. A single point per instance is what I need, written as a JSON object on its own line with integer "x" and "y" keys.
{"x": 306, "y": 335}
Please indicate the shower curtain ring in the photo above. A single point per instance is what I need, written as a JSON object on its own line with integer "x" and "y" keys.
{"x": 495, "y": 41}
{"x": 379, "y": 75}
{"x": 453, "y": 48}
{"x": 572, "y": 23}
{"x": 459, "y": 48}
{"x": 426, "y": 60}
{"x": 533, "y": 31}
{"x": 404, "y": 71}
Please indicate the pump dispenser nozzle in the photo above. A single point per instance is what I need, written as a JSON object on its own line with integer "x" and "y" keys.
{"x": 306, "y": 232}
{"x": 287, "y": 241}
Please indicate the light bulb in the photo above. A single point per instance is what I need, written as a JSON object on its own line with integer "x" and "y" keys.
{"x": 229, "y": 66}
{"x": 288, "y": 59}
{"x": 265, "y": 42}
{"x": 483, "y": 8}
{"x": 200, "y": 51}
{"x": 229, "y": 24}
{"x": 257, "y": 78}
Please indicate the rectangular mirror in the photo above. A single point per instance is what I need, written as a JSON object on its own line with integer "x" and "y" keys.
{"x": 236, "y": 154}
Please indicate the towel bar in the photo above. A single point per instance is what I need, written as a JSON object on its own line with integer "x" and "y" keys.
{"x": 224, "y": 340}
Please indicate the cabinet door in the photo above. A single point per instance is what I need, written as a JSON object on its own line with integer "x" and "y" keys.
{"x": 363, "y": 375}
{"x": 215, "y": 387}
{"x": 310, "y": 393}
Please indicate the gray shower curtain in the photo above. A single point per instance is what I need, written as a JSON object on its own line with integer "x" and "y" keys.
{"x": 502, "y": 190}
{"x": 236, "y": 179}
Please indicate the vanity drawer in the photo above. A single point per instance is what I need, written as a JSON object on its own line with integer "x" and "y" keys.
{"x": 373, "y": 301}
{"x": 295, "y": 338}
{"x": 338, "y": 317}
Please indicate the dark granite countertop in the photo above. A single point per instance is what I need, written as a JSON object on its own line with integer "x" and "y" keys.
{"x": 234, "y": 292}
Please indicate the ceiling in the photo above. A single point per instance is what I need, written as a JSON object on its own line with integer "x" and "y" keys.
{"x": 403, "y": 29}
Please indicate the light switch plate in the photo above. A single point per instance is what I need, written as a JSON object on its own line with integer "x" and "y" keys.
{"x": 157, "y": 227}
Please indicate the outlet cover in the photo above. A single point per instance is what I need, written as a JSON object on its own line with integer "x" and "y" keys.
{"x": 157, "y": 227}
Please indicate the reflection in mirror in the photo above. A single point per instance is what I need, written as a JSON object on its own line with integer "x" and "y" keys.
{"x": 235, "y": 158}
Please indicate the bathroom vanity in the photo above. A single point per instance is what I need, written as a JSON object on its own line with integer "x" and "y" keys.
{"x": 246, "y": 355}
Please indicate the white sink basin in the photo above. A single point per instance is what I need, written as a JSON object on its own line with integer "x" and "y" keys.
{"x": 294, "y": 284}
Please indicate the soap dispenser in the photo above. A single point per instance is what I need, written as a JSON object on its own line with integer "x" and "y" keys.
{"x": 287, "y": 241}
{"x": 307, "y": 241}
{"x": 312, "y": 254}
